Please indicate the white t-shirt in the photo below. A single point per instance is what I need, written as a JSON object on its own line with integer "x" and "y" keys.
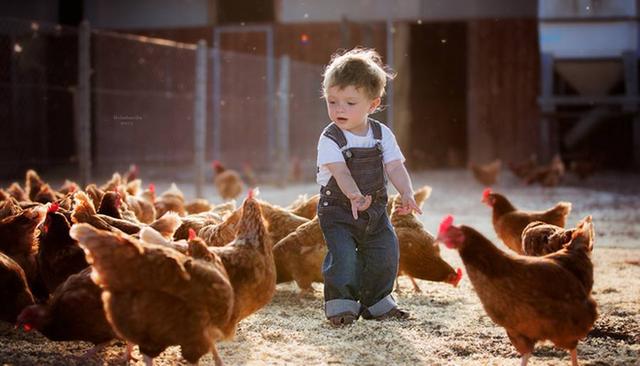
{"x": 329, "y": 152}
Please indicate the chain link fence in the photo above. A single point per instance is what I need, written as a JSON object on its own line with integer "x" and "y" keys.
{"x": 261, "y": 111}
{"x": 142, "y": 93}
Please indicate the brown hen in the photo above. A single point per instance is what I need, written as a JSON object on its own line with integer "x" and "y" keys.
{"x": 300, "y": 254}
{"x": 486, "y": 174}
{"x": 304, "y": 206}
{"x": 227, "y": 182}
{"x": 509, "y": 222}
{"x": 155, "y": 296}
{"x": 59, "y": 256}
{"x": 14, "y": 290}
{"x": 419, "y": 257}
{"x": 515, "y": 291}
{"x": 217, "y": 235}
{"x": 73, "y": 313}
{"x": 18, "y": 240}
{"x": 170, "y": 200}
{"x": 280, "y": 221}
{"x": 249, "y": 262}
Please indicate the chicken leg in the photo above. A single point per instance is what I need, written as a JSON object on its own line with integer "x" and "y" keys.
{"x": 91, "y": 352}
{"x": 398, "y": 290}
{"x": 148, "y": 361}
{"x": 416, "y": 288}
{"x": 305, "y": 293}
{"x": 574, "y": 357}
{"x": 128, "y": 354}
{"x": 216, "y": 356}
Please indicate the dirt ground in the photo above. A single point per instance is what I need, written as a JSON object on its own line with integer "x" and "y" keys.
{"x": 448, "y": 325}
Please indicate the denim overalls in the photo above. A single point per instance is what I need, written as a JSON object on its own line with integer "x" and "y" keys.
{"x": 362, "y": 262}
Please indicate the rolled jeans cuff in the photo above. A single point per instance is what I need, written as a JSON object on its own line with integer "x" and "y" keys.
{"x": 383, "y": 306}
{"x": 339, "y": 306}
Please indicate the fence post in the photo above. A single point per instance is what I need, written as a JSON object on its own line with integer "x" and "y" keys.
{"x": 630, "y": 62}
{"x": 217, "y": 97}
{"x": 390, "y": 48}
{"x": 282, "y": 128}
{"x": 83, "y": 103}
{"x": 270, "y": 95}
{"x": 199, "y": 116}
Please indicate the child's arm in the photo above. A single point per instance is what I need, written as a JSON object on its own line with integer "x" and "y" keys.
{"x": 399, "y": 176}
{"x": 345, "y": 181}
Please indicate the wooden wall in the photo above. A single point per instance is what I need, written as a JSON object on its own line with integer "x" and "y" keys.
{"x": 323, "y": 39}
{"x": 437, "y": 95}
{"x": 36, "y": 99}
{"x": 503, "y": 85}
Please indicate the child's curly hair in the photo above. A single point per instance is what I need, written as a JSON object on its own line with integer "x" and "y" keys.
{"x": 359, "y": 67}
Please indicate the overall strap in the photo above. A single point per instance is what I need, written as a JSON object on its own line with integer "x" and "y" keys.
{"x": 335, "y": 133}
{"x": 377, "y": 129}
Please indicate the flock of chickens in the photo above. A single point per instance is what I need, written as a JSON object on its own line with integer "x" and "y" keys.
{"x": 121, "y": 262}
{"x": 529, "y": 171}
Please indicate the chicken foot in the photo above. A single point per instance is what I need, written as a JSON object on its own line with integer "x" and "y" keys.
{"x": 91, "y": 352}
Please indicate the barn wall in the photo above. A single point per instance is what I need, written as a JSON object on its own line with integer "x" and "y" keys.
{"x": 438, "y": 95}
{"x": 402, "y": 86}
{"x": 503, "y": 84}
{"x": 36, "y": 95}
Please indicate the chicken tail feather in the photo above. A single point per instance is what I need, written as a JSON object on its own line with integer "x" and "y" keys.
{"x": 167, "y": 224}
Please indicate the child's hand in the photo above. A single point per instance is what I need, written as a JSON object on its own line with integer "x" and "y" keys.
{"x": 408, "y": 205}
{"x": 359, "y": 203}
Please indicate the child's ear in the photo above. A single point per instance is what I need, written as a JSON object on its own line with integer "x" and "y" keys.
{"x": 374, "y": 104}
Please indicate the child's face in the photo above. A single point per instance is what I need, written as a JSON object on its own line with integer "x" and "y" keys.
{"x": 349, "y": 107}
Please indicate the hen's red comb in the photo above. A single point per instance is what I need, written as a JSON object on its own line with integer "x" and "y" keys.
{"x": 250, "y": 194}
{"x": 192, "y": 234}
{"x": 445, "y": 224}
{"x": 53, "y": 208}
{"x": 152, "y": 188}
{"x": 486, "y": 193}
{"x": 216, "y": 163}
